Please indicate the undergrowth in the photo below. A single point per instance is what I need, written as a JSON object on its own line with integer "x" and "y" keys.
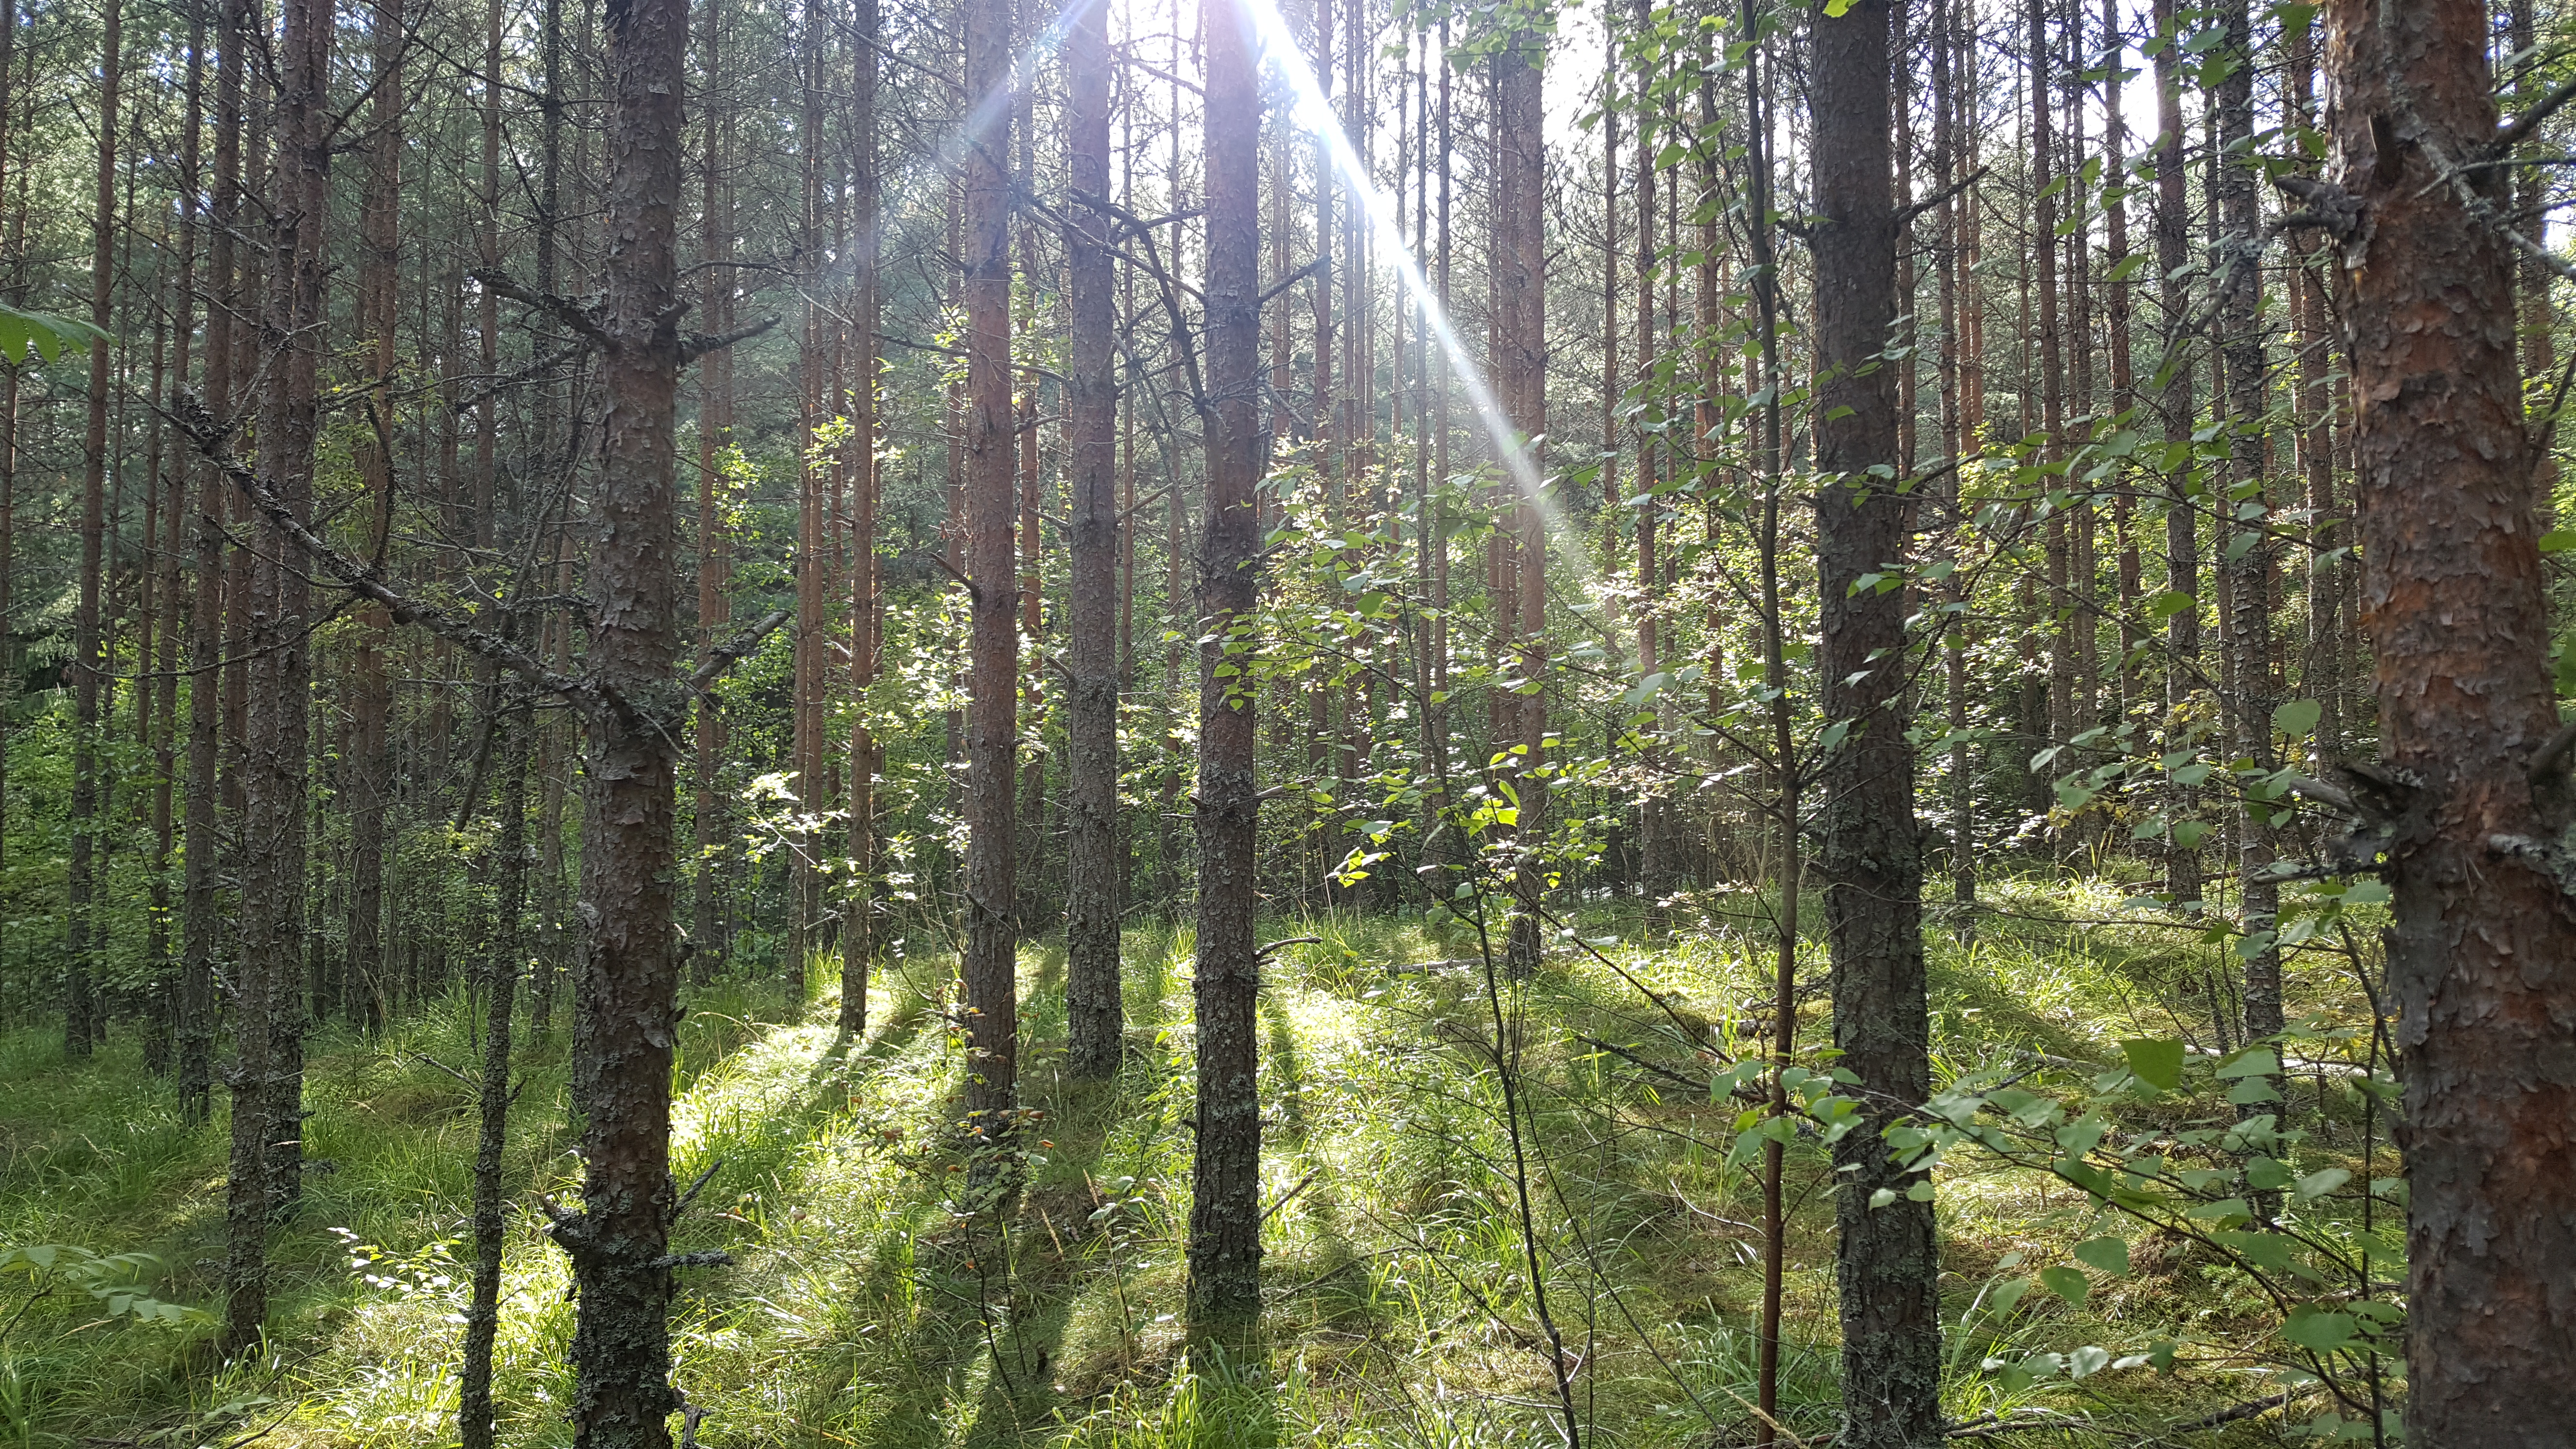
{"x": 873, "y": 1302}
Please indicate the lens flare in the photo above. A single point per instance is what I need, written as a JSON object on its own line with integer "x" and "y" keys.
{"x": 1312, "y": 111}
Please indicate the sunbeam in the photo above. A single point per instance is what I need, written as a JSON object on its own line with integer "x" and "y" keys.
{"x": 1314, "y": 113}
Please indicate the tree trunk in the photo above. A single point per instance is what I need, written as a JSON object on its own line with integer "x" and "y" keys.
{"x": 1518, "y": 90}
{"x": 2249, "y": 566}
{"x": 199, "y": 919}
{"x": 1225, "y": 1203}
{"x": 2453, "y": 592}
{"x": 279, "y": 724}
{"x": 992, "y": 724}
{"x": 511, "y": 725}
{"x": 1092, "y": 907}
{"x": 2174, "y": 402}
{"x": 194, "y": 1023}
{"x": 859, "y": 934}
{"x": 1958, "y": 365}
{"x": 626, "y": 989}
{"x": 370, "y": 693}
{"x": 1888, "y": 1259}
{"x": 715, "y": 428}
{"x": 80, "y": 1008}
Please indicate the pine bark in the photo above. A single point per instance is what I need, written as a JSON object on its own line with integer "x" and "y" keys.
{"x": 859, "y": 934}
{"x": 2178, "y": 413}
{"x": 193, "y": 1006}
{"x": 992, "y": 716}
{"x": 715, "y": 427}
{"x": 2244, "y": 364}
{"x": 2453, "y": 597}
{"x": 279, "y": 722}
{"x": 625, "y": 1009}
{"x": 1225, "y": 1206}
{"x": 200, "y": 924}
{"x": 80, "y": 1007}
{"x": 1520, "y": 279}
{"x": 1092, "y": 907}
{"x": 1888, "y": 1259}
{"x": 476, "y": 1418}
{"x": 370, "y": 693}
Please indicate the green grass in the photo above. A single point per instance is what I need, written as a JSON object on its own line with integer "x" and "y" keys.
{"x": 869, "y": 1304}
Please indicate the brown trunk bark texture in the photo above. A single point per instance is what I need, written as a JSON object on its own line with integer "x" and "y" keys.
{"x": 2482, "y": 959}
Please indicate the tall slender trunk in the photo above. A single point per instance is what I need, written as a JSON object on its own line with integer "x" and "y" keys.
{"x": 1653, "y": 824}
{"x": 2533, "y": 281}
{"x": 199, "y": 923}
{"x": 1091, "y": 705}
{"x": 1225, "y": 1202}
{"x": 2321, "y": 672}
{"x": 512, "y": 723}
{"x": 280, "y": 717}
{"x": 1785, "y": 778}
{"x": 2455, "y": 596}
{"x": 1957, "y": 441}
{"x": 380, "y": 303}
{"x": 1888, "y": 1258}
{"x": 2056, "y": 532}
{"x": 859, "y": 934}
{"x": 81, "y": 1026}
{"x": 2174, "y": 402}
{"x": 2240, "y": 329}
{"x": 267, "y": 1145}
{"x": 814, "y": 405}
{"x": 715, "y": 426}
{"x": 1521, "y": 281}
{"x": 192, "y": 1005}
{"x": 992, "y": 724}
{"x": 2119, "y": 308}
{"x": 627, "y": 984}
{"x": 166, "y": 496}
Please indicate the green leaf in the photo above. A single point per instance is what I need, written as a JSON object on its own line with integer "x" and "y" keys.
{"x": 23, "y": 334}
{"x": 2297, "y": 718}
{"x": 1881, "y": 1198}
{"x": 2067, "y": 1283}
{"x": 2318, "y": 1184}
{"x": 2090, "y": 1359}
{"x": 2251, "y": 1092}
{"x": 2169, "y": 603}
{"x": 2258, "y": 1062}
{"x": 2008, "y": 1293}
{"x": 2157, "y": 1063}
{"x": 2558, "y": 540}
{"x": 1837, "y": 9}
{"x": 2317, "y": 1331}
{"x": 2109, "y": 1254}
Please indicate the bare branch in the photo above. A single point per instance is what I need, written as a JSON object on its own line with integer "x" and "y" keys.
{"x": 724, "y": 656}
{"x": 570, "y": 313}
{"x": 212, "y": 440}
{"x": 2322, "y": 793}
{"x": 1284, "y": 283}
{"x": 699, "y": 344}
{"x": 2515, "y": 131}
{"x": 505, "y": 383}
{"x": 1906, "y": 215}
{"x": 2553, "y": 751}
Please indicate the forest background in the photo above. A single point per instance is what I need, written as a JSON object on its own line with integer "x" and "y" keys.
{"x": 1384, "y": 724}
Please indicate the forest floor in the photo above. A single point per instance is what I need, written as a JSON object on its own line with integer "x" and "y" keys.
{"x": 867, "y": 1304}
